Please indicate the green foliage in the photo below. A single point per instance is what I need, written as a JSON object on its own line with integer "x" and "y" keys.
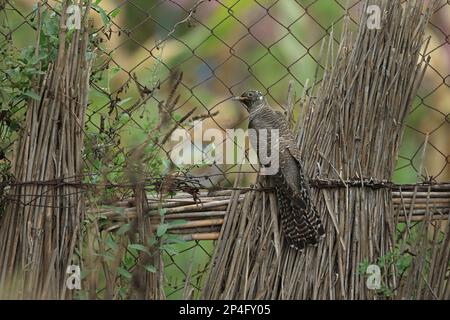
{"x": 396, "y": 260}
{"x": 18, "y": 67}
{"x": 362, "y": 267}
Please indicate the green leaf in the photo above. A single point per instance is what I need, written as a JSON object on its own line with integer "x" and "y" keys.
{"x": 115, "y": 12}
{"x": 105, "y": 255}
{"x": 123, "y": 292}
{"x": 35, "y": 59}
{"x": 90, "y": 55}
{"x": 151, "y": 241}
{"x": 162, "y": 229}
{"x": 14, "y": 125}
{"x": 124, "y": 273}
{"x": 123, "y": 229}
{"x": 33, "y": 95}
{"x": 116, "y": 70}
{"x": 178, "y": 222}
{"x": 124, "y": 118}
{"x": 170, "y": 249}
{"x": 138, "y": 247}
{"x": 103, "y": 15}
{"x": 150, "y": 268}
{"x": 122, "y": 102}
{"x": 173, "y": 238}
{"x": 111, "y": 243}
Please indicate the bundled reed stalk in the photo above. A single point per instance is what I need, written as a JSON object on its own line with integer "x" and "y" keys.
{"x": 352, "y": 131}
{"x": 41, "y": 225}
{"x": 144, "y": 284}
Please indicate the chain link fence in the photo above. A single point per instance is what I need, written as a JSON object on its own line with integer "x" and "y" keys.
{"x": 165, "y": 65}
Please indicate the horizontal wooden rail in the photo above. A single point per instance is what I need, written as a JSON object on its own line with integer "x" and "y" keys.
{"x": 203, "y": 218}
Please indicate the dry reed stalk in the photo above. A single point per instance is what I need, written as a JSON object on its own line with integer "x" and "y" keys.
{"x": 145, "y": 284}
{"x": 352, "y": 131}
{"x": 38, "y": 233}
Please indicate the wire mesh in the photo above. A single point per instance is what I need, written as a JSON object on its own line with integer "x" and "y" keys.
{"x": 138, "y": 97}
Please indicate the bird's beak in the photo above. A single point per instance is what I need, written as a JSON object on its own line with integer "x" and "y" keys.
{"x": 238, "y": 98}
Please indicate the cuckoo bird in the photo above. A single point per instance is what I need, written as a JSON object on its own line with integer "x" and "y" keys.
{"x": 300, "y": 222}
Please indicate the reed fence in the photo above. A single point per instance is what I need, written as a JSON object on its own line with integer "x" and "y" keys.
{"x": 87, "y": 178}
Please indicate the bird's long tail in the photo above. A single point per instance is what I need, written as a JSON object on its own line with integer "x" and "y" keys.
{"x": 300, "y": 222}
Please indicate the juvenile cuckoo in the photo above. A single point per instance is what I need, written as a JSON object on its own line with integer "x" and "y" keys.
{"x": 300, "y": 222}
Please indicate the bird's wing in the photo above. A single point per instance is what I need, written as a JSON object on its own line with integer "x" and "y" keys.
{"x": 290, "y": 159}
{"x": 300, "y": 220}
{"x": 286, "y": 133}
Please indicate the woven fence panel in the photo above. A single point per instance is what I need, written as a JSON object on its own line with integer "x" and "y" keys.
{"x": 166, "y": 65}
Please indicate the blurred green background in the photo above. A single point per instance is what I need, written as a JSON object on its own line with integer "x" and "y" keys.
{"x": 224, "y": 48}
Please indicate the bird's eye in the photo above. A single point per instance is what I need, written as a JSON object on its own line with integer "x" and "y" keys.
{"x": 250, "y": 94}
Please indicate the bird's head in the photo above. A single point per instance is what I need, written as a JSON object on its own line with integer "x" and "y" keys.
{"x": 250, "y": 99}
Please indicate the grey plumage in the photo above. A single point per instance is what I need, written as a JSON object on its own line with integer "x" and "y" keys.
{"x": 300, "y": 222}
